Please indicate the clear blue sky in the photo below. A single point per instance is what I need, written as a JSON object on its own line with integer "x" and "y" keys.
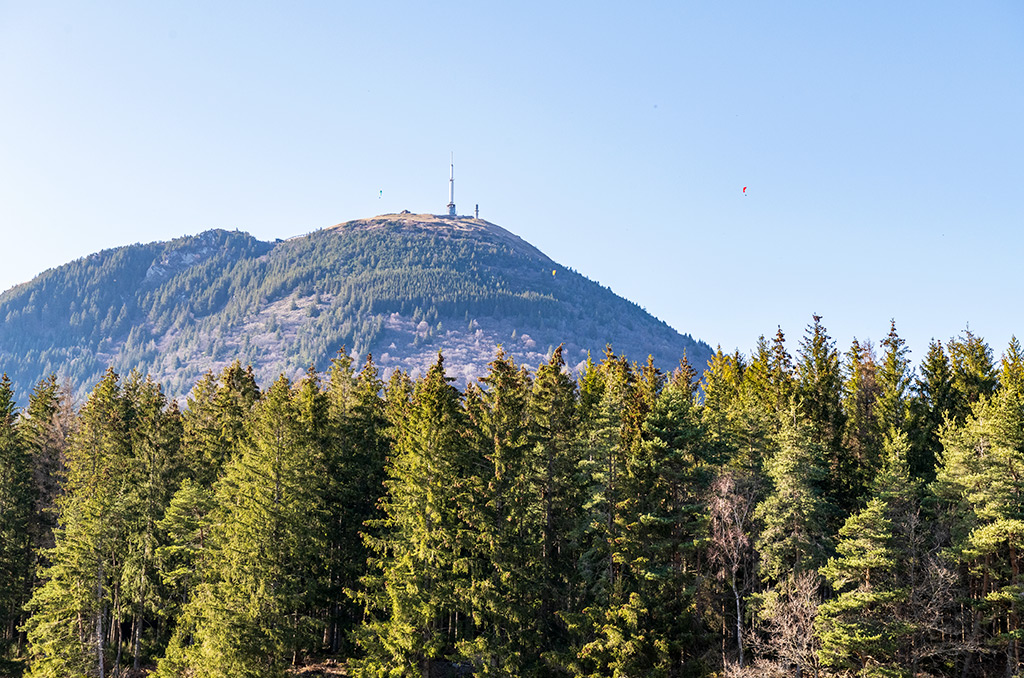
{"x": 881, "y": 144}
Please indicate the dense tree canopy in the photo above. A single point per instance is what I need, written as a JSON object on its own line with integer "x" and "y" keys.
{"x": 838, "y": 514}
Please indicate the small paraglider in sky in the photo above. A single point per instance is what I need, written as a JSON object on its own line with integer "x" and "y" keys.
{"x": 382, "y": 194}
{"x": 744, "y": 191}
{"x": 552, "y": 272}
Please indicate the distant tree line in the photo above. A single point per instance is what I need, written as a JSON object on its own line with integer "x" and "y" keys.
{"x": 817, "y": 513}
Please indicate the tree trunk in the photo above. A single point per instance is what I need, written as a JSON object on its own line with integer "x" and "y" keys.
{"x": 136, "y": 632}
{"x": 99, "y": 620}
{"x": 739, "y": 619}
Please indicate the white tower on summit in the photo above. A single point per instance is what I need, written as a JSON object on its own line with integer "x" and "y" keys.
{"x": 451, "y": 189}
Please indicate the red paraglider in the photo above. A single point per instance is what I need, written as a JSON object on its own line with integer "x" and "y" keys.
{"x": 744, "y": 191}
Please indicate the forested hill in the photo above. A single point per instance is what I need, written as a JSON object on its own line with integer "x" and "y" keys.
{"x": 401, "y": 286}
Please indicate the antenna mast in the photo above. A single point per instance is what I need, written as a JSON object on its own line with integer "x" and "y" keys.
{"x": 451, "y": 188}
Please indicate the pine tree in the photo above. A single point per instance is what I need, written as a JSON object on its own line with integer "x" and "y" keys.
{"x": 411, "y": 593}
{"x": 781, "y": 373}
{"x": 214, "y": 422}
{"x": 869, "y": 623}
{"x": 253, "y": 613}
{"x": 797, "y": 511}
{"x": 155, "y": 439}
{"x": 69, "y": 627}
{"x": 721, "y": 386}
{"x": 757, "y": 411}
{"x": 1011, "y": 368}
{"x": 980, "y": 482}
{"x": 605, "y": 439}
{"x": 184, "y": 533}
{"x": 16, "y": 504}
{"x": 503, "y": 520}
{"x": 651, "y": 628}
{"x": 974, "y": 373}
{"x": 355, "y": 456}
{"x": 46, "y": 427}
{"x": 895, "y": 377}
{"x": 933, "y": 400}
{"x": 554, "y": 458}
{"x": 819, "y": 390}
{"x": 863, "y": 438}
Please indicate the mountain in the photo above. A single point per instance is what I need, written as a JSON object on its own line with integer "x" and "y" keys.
{"x": 401, "y": 286}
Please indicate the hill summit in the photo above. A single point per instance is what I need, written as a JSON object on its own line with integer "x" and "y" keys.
{"x": 399, "y": 286}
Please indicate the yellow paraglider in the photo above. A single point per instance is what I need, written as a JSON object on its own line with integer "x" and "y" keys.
{"x": 552, "y": 272}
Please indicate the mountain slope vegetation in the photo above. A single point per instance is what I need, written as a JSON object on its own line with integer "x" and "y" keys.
{"x": 399, "y": 286}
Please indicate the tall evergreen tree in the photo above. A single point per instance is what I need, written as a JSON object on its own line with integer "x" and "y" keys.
{"x": 797, "y": 511}
{"x": 355, "y": 452}
{"x": 413, "y": 617}
{"x": 933, "y": 400}
{"x": 215, "y": 421}
{"x": 253, "y": 613}
{"x": 69, "y": 630}
{"x": 504, "y": 519}
{"x": 781, "y": 370}
{"x": 651, "y": 626}
{"x": 863, "y": 438}
{"x": 980, "y": 482}
{"x": 819, "y": 389}
{"x": 757, "y": 410}
{"x": 895, "y": 376}
{"x": 46, "y": 427}
{"x": 155, "y": 437}
{"x": 867, "y": 625}
{"x": 721, "y": 388}
{"x": 974, "y": 372}
{"x": 16, "y": 503}
{"x": 554, "y": 457}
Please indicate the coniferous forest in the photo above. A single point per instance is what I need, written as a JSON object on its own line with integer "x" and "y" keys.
{"x": 801, "y": 510}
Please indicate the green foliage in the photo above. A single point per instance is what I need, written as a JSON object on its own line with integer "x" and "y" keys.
{"x": 797, "y": 511}
{"x": 70, "y": 612}
{"x": 16, "y": 503}
{"x": 253, "y": 610}
{"x": 819, "y": 395}
{"x": 861, "y": 628}
{"x": 418, "y": 564}
{"x": 531, "y": 525}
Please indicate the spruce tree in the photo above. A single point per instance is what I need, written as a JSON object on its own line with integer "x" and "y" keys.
{"x": 554, "y": 461}
{"x": 974, "y": 372}
{"x": 756, "y": 411}
{"x": 980, "y": 482}
{"x": 863, "y": 437}
{"x": 413, "y": 619}
{"x": 933, "y": 400}
{"x": 155, "y": 439}
{"x": 69, "y": 627}
{"x": 867, "y": 626}
{"x": 797, "y": 511}
{"x": 355, "y": 450}
{"x": 46, "y": 427}
{"x": 651, "y": 627}
{"x": 215, "y": 421}
{"x": 819, "y": 391}
{"x": 895, "y": 376}
{"x": 16, "y": 504}
{"x": 253, "y": 612}
{"x": 504, "y": 521}
{"x": 782, "y": 377}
